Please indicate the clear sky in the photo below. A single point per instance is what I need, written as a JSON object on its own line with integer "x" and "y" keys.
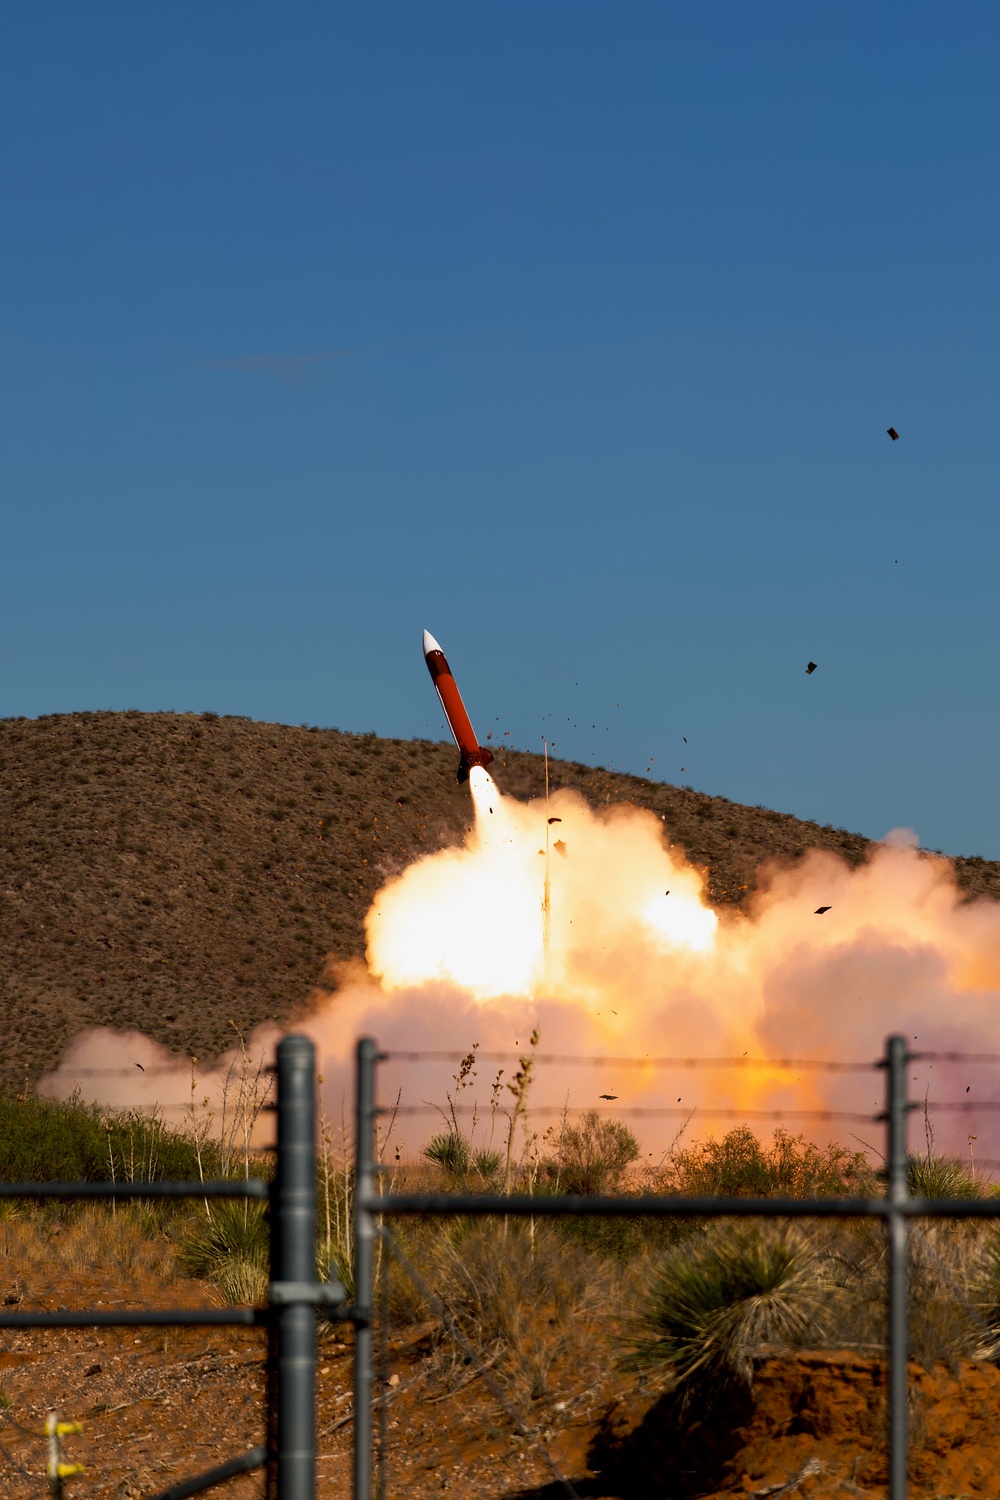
{"x": 570, "y": 330}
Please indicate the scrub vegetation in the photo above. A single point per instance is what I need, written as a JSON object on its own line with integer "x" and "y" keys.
{"x": 540, "y": 1316}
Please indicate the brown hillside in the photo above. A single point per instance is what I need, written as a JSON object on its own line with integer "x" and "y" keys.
{"x": 174, "y": 871}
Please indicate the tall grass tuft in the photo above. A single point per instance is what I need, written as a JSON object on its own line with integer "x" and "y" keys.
{"x": 450, "y": 1151}
{"x": 932, "y": 1176}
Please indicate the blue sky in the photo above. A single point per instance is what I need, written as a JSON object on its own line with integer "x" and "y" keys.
{"x": 571, "y": 331}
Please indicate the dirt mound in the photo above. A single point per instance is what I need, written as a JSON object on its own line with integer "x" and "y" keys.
{"x": 814, "y": 1424}
{"x": 176, "y": 872}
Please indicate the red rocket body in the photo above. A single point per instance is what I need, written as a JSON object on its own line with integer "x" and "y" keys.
{"x": 470, "y": 752}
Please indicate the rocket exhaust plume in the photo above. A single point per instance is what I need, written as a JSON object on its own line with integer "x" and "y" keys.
{"x": 456, "y": 955}
{"x": 588, "y": 925}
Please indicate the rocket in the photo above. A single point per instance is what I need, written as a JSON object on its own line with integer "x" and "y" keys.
{"x": 470, "y": 753}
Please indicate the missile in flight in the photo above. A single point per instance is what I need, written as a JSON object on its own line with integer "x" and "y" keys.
{"x": 470, "y": 752}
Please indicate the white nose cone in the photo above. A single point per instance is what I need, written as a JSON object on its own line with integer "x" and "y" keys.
{"x": 430, "y": 644}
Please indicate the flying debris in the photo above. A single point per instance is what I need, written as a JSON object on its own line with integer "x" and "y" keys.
{"x": 140, "y": 1067}
{"x": 810, "y": 668}
{"x": 609, "y": 1096}
{"x": 893, "y": 434}
{"x": 821, "y": 909}
{"x": 471, "y": 753}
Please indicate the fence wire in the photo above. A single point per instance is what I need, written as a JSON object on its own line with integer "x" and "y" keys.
{"x": 897, "y": 1209}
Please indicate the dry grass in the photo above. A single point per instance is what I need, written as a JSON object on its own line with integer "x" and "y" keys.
{"x": 538, "y": 1311}
{"x": 127, "y": 1237}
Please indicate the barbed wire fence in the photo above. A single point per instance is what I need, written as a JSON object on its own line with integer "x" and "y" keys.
{"x": 375, "y": 1209}
{"x": 295, "y": 1293}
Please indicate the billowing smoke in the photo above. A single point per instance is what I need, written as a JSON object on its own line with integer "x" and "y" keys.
{"x": 588, "y": 926}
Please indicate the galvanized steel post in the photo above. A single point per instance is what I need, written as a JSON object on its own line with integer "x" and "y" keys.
{"x": 898, "y": 1226}
{"x": 293, "y": 1260}
{"x": 364, "y": 1265}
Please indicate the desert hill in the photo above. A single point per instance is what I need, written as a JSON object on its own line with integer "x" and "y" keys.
{"x": 174, "y": 872}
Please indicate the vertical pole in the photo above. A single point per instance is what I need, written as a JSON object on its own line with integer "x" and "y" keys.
{"x": 293, "y": 1258}
{"x": 898, "y": 1226}
{"x": 54, "y": 1456}
{"x": 364, "y": 1266}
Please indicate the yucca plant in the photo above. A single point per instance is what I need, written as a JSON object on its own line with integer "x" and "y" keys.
{"x": 932, "y": 1176}
{"x": 450, "y": 1151}
{"x": 711, "y": 1306}
{"x": 487, "y": 1163}
{"x": 231, "y": 1249}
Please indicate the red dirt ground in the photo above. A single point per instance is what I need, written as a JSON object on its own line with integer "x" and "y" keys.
{"x": 159, "y": 1405}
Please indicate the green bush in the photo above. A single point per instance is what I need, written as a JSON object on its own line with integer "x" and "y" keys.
{"x": 50, "y": 1140}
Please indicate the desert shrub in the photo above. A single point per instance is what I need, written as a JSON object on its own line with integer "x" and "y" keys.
{"x": 985, "y": 1294}
{"x": 487, "y": 1164}
{"x": 711, "y": 1306}
{"x": 741, "y": 1166}
{"x": 592, "y": 1155}
{"x": 51, "y": 1140}
{"x": 951, "y": 1299}
{"x": 946, "y": 1324}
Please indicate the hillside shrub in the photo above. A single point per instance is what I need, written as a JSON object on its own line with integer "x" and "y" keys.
{"x": 51, "y": 1140}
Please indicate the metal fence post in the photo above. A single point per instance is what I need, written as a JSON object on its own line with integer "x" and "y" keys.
{"x": 364, "y": 1265}
{"x": 293, "y": 1259}
{"x": 898, "y": 1226}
